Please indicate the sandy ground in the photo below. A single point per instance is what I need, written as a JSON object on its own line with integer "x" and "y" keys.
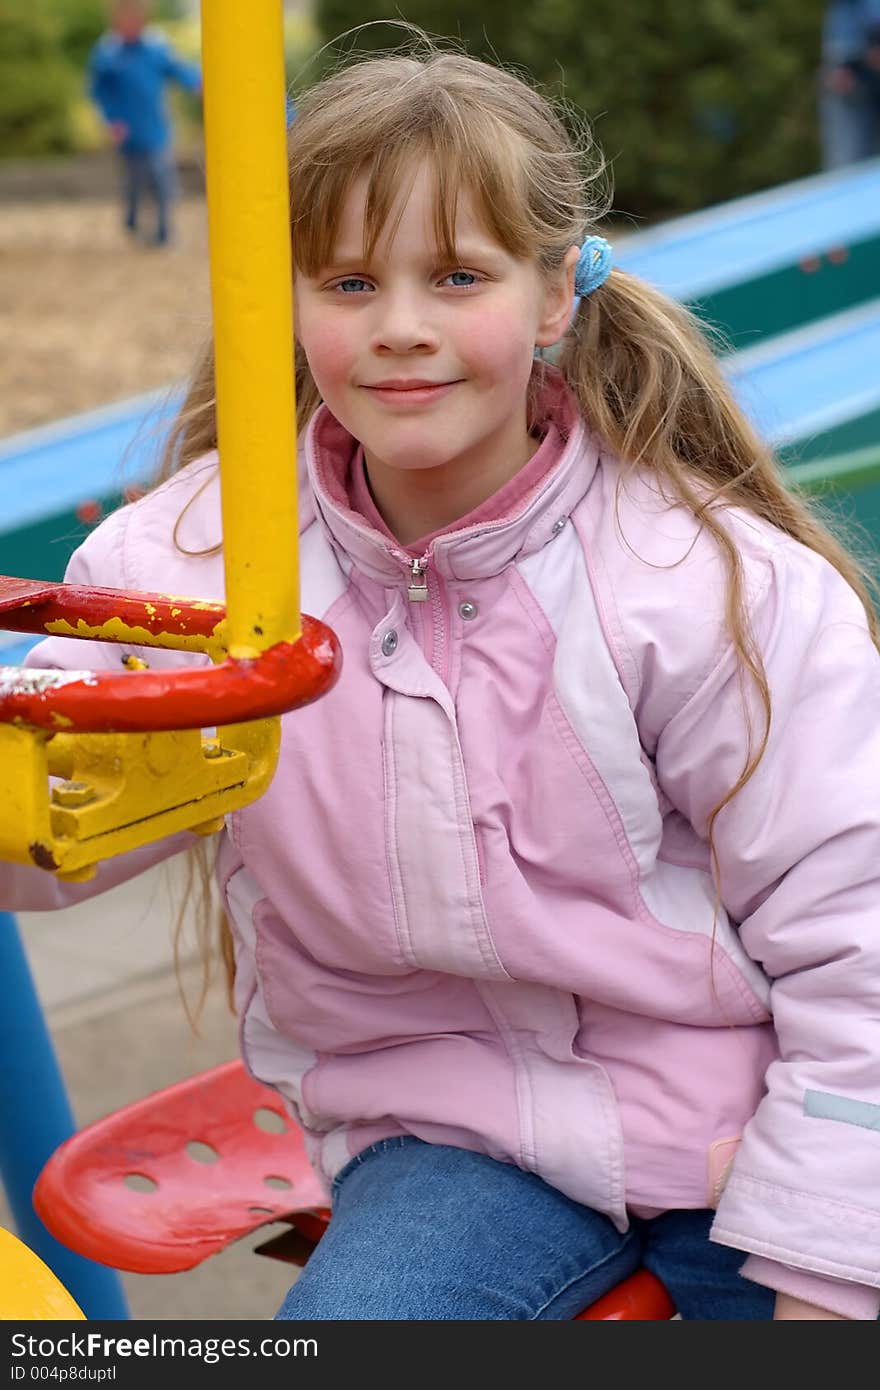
{"x": 87, "y": 314}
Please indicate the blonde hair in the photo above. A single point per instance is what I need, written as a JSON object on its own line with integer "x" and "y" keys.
{"x": 640, "y": 365}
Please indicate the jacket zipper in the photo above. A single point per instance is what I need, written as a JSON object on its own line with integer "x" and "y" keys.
{"x": 418, "y": 581}
{"x": 419, "y": 592}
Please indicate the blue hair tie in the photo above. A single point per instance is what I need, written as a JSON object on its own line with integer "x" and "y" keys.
{"x": 593, "y": 267}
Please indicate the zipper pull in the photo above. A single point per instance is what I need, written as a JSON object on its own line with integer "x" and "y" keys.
{"x": 418, "y": 584}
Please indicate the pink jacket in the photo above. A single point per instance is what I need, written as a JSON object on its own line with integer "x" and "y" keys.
{"x": 476, "y": 905}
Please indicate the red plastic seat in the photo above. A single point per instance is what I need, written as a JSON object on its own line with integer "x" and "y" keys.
{"x": 160, "y": 1185}
{"x": 208, "y": 1173}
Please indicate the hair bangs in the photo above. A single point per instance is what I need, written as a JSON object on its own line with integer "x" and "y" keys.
{"x": 472, "y": 154}
{"x": 485, "y": 163}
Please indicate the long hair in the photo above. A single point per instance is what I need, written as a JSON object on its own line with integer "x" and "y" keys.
{"x": 642, "y": 368}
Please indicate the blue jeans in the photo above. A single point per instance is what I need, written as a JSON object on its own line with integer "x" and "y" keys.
{"x": 424, "y": 1231}
{"x": 849, "y": 126}
{"x": 149, "y": 171}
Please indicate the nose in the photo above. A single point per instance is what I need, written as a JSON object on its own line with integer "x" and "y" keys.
{"x": 403, "y": 323}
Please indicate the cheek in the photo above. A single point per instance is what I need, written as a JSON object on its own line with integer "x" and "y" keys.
{"x": 498, "y": 346}
{"x": 328, "y": 349}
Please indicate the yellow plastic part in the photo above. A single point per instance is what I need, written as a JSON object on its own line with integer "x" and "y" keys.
{"x": 252, "y": 301}
{"x": 120, "y": 791}
{"x": 28, "y": 1288}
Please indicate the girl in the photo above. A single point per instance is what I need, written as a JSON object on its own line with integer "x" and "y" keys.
{"x": 557, "y": 929}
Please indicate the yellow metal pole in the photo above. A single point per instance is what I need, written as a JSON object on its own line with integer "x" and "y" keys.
{"x": 252, "y": 297}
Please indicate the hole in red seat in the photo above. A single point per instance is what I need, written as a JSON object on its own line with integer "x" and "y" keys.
{"x": 274, "y": 1180}
{"x": 269, "y": 1120}
{"x": 202, "y": 1152}
{"x": 139, "y": 1182}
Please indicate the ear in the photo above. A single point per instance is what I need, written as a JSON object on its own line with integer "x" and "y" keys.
{"x": 558, "y": 301}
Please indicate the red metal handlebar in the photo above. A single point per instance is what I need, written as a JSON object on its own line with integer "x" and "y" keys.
{"x": 32, "y": 605}
{"x": 284, "y": 677}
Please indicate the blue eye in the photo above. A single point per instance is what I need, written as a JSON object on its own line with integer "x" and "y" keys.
{"x": 462, "y": 279}
{"x": 351, "y": 285}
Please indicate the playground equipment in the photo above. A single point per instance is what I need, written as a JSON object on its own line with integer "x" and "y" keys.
{"x": 789, "y": 277}
{"x": 146, "y": 769}
{"x": 815, "y": 392}
{"x": 765, "y": 264}
{"x": 165, "y": 1183}
{"x": 35, "y": 1117}
{"x": 59, "y": 480}
{"x": 129, "y": 748}
{"x": 28, "y": 1288}
{"x": 850, "y": 482}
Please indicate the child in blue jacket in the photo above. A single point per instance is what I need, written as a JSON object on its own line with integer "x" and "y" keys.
{"x": 129, "y": 70}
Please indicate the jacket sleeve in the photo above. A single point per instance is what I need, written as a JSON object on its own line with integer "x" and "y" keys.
{"x": 799, "y": 857}
{"x": 178, "y": 70}
{"x": 99, "y": 560}
{"x": 100, "y": 87}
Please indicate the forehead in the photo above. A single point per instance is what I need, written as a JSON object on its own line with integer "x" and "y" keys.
{"x": 413, "y": 206}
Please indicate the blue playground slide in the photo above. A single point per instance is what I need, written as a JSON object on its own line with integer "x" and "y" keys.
{"x": 815, "y": 391}
{"x": 57, "y": 481}
{"x": 771, "y": 262}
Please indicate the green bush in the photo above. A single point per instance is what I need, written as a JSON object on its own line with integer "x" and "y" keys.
{"x": 37, "y": 84}
{"x": 692, "y": 103}
{"x": 81, "y": 23}
{"x": 44, "y": 51}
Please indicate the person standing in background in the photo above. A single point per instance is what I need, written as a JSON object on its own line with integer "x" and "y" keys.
{"x": 850, "y": 95}
{"x": 129, "y": 69}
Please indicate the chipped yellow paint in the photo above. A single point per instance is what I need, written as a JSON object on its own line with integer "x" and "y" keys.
{"x": 200, "y": 605}
{"x": 115, "y": 630}
{"x": 134, "y": 663}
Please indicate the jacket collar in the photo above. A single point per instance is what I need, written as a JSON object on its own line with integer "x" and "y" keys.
{"x": 464, "y": 552}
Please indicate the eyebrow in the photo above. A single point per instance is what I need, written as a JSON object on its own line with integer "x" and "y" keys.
{"x": 464, "y": 255}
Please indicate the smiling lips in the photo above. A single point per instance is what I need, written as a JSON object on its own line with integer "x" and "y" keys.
{"x": 409, "y": 392}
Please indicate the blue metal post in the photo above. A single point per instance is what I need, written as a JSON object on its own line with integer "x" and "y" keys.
{"x": 35, "y": 1117}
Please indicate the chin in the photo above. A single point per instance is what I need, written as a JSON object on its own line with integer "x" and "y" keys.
{"x": 412, "y": 453}
{"x": 414, "y": 460}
